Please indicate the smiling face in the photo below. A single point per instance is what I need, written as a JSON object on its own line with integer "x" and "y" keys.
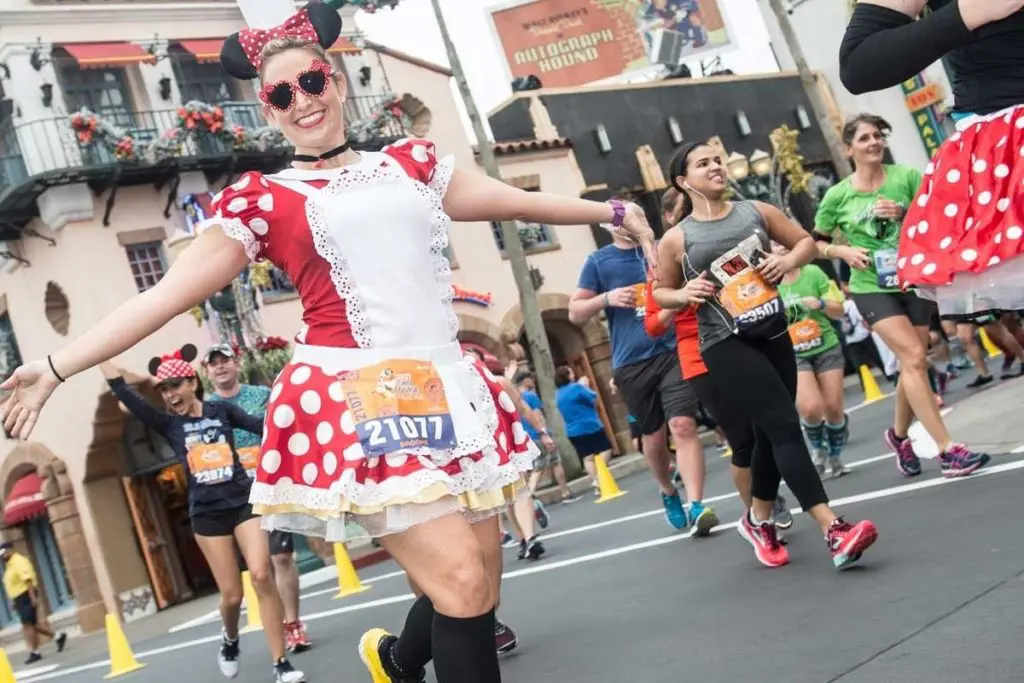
{"x": 705, "y": 173}
{"x": 315, "y": 118}
{"x": 868, "y": 144}
{"x": 223, "y": 371}
{"x": 179, "y": 394}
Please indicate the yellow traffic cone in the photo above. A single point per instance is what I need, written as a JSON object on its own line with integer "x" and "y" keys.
{"x": 6, "y": 672}
{"x": 606, "y": 483}
{"x": 122, "y": 661}
{"x": 348, "y": 578}
{"x": 991, "y": 349}
{"x": 252, "y": 605}
{"x": 871, "y": 391}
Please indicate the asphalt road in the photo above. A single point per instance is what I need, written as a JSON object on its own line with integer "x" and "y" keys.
{"x": 620, "y": 596}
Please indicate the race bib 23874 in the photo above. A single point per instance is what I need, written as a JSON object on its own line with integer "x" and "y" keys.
{"x": 211, "y": 463}
{"x": 399, "y": 404}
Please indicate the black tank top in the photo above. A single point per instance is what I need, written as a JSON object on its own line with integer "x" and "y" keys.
{"x": 988, "y": 73}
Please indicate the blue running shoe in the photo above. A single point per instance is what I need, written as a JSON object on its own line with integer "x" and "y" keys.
{"x": 702, "y": 519}
{"x": 674, "y": 513}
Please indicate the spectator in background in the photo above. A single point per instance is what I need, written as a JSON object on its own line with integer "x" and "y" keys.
{"x": 578, "y": 405}
{"x": 549, "y": 462}
{"x": 22, "y": 588}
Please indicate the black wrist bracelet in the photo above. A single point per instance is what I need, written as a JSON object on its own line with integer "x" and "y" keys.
{"x": 49, "y": 359}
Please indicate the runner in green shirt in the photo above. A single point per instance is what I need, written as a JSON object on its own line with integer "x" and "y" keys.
{"x": 812, "y": 301}
{"x": 868, "y": 209}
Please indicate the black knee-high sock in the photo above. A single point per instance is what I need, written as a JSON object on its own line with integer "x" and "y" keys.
{"x": 411, "y": 652}
{"x": 464, "y": 649}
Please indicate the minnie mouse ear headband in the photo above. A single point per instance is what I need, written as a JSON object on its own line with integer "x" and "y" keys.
{"x": 242, "y": 53}
{"x": 177, "y": 365}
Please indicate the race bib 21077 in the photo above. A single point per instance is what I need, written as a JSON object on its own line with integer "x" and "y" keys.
{"x": 399, "y": 404}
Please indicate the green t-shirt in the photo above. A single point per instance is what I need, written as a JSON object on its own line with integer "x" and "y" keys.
{"x": 253, "y": 399}
{"x": 849, "y": 211}
{"x": 811, "y": 331}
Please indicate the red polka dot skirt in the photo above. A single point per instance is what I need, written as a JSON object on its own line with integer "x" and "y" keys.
{"x": 963, "y": 233}
{"x": 315, "y": 478}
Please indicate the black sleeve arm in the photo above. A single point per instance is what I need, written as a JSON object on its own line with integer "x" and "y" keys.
{"x": 139, "y": 406}
{"x": 240, "y": 419}
{"x": 883, "y": 47}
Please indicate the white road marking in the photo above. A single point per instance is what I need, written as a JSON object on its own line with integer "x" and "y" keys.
{"x": 35, "y": 671}
{"x": 865, "y": 404}
{"x": 1018, "y": 449}
{"x": 551, "y": 566}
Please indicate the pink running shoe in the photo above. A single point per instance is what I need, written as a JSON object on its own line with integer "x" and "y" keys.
{"x": 906, "y": 459}
{"x": 764, "y": 536}
{"x": 847, "y": 542}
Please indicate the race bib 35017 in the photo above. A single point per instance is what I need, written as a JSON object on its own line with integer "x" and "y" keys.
{"x": 399, "y": 404}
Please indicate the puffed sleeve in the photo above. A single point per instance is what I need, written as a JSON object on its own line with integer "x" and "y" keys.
{"x": 243, "y": 211}
{"x": 418, "y": 158}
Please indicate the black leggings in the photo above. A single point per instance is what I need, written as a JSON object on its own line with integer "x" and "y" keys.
{"x": 759, "y": 375}
{"x": 738, "y": 428}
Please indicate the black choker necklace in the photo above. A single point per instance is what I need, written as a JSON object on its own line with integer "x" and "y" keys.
{"x": 319, "y": 160}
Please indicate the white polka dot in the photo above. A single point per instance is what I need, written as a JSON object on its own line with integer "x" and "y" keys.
{"x": 298, "y": 444}
{"x": 968, "y": 254}
{"x": 276, "y": 391}
{"x": 951, "y": 210}
{"x": 1014, "y": 232}
{"x": 271, "y": 461}
{"x": 922, "y": 227}
{"x": 426, "y": 463}
{"x": 901, "y": 262}
{"x": 284, "y": 417}
{"x": 336, "y": 393}
{"x": 263, "y": 182}
{"x": 970, "y": 224}
{"x": 911, "y": 231}
{"x": 373, "y": 462}
{"x": 1002, "y": 141}
{"x": 242, "y": 183}
{"x": 945, "y": 242}
{"x": 518, "y": 433}
{"x": 998, "y": 238}
{"x": 993, "y": 261}
{"x": 309, "y": 473}
{"x": 954, "y": 137}
{"x": 922, "y": 201}
{"x": 506, "y": 402}
{"x": 354, "y": 452}
{"x": 310, "y": 402}
{"x": 266, "y": 202}
{"x": 492, "y": 458}
{"x": 929, "y": 269}
{"x": 324, "y": 433}
{"x": 1002, "y": 170}
{"x": 917, "y": 259}
{"x": 419, "y": 153}
{"x": 503, "y": 441}
{"x": 929, "y": 169}
{"x": 1022, "y": 147}
{"x": 953, "y": 176}
{"x": 259, "y": 226}
{"x": 330, "y": 463}
{"x": 347, "y": 424}
{"x": 985, "y": 198}
{"x": 1003, "y": 204}
{"x": 237, "y": 204}
{"x": 1019, "y": 123}
{"x": 301, "y": 374}
{"x": 980, "y": 166}
{"x": 396, "y": 459}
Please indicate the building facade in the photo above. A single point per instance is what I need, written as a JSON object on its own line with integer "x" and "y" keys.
{"x": 101, "y": 178}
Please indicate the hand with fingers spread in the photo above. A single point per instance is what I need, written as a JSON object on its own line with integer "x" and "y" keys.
{"x": 775, "y": 266}
{"x": 636, "y": 229}
{"x": 31, "y": 386}
{"x": 697, "y": 291}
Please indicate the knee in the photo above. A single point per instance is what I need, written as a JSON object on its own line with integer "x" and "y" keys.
{"x": 914, "y": 358}
{"x": 283, "y": 562}
{"x": 464, "y": 588}
{"x": 262, "y": 577}
{"x": 231, "y": 597}
{"x": 683, "y": 428}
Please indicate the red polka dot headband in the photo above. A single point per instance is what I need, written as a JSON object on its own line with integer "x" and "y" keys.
{"x": 242, "y": 53}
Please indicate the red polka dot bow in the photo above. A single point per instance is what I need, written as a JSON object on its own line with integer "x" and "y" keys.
{"x": 253, "y": 40}
{"x": 173, "y": 366}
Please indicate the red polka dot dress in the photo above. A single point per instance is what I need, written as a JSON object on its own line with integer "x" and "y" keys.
{"x": 380, "y": 421}
{"x": 964, "y": 233}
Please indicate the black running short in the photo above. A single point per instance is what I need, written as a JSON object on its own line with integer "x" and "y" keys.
{"x": 587, "y": 445}
{"x": 655, "y": 391}
{"x": 875, "y": 306}
{"x": 26, "y": 611}
{"x": 221, "y": 522}
{"x": 281, "y": 543}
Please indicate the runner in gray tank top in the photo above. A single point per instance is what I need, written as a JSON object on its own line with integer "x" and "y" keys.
{"x": 719, "y": 259}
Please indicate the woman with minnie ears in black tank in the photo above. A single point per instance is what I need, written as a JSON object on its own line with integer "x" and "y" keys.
{"x": 380, "y": 423}
{"x": 201, "y": 436}
{"x": 718, "y": 258}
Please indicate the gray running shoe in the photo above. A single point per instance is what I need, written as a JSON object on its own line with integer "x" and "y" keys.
{"x": 818, "y": 458}
{"x": 781, "y": 515}
{"x": 836, "y": 468}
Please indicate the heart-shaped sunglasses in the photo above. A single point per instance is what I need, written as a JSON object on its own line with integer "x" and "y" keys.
{"x": 312, "y": 82}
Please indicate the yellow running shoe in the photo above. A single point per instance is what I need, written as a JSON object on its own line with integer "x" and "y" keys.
{"x": 369, "y": 652}
{"x": 727, "y": 453}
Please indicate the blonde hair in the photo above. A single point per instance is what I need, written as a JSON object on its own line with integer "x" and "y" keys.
{"x": 279, "y": 45}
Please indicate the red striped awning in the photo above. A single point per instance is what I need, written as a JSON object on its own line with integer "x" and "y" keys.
{"x": 25, "y": 500}
{"x": 105, "y": 55}
{"x": 345, "y": 46}
{"x": 205, "y": 50}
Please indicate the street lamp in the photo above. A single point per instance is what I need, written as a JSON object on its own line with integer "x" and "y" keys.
{"x": 761, "y": 163}
{"x": 738, "y": 166}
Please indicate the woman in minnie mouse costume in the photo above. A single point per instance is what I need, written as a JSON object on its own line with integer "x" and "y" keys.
{"x": 962, "y": 236}
{"x": 379, "y": 422}
{"x": 201, "y": 436}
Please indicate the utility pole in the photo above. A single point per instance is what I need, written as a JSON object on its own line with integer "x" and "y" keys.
{"x": 828, "y": 129}
{"x": 536, "y": 336}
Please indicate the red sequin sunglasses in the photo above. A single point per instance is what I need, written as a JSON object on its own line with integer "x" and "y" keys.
{"x": 312, "y": 82}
